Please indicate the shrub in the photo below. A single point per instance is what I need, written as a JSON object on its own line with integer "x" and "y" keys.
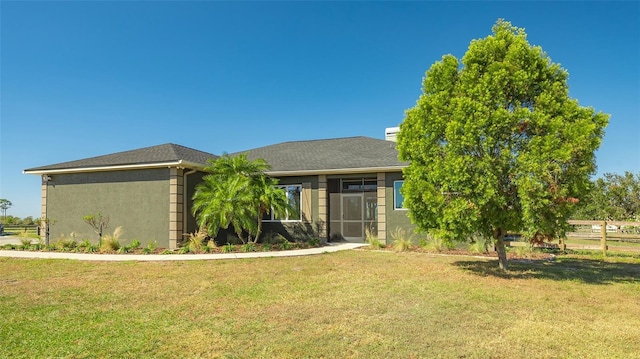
{"x": 286, "y": 245}
{"x": 150, "y": 248}
{"x": 314, "y": 242}
{"x": 373, "y": 240}
{"x": 401, "y": 242}
{"x": 479, "y": 245}
{"x": 111, "y": 243}
{"x": 228, "y": 248}
{"x": 196, "y": 241}
{"x": 211, "y": 245}
{"x": 248, "y": 247}
{"x": 63, "y": 244}
{"x": 86, "y": 246}
{"x": 25, "y": 242}
{"x": 523, "y": 251}
{"x": 439, "y": 244}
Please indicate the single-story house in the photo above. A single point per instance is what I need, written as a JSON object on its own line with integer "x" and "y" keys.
{"x": 342, "y": 186}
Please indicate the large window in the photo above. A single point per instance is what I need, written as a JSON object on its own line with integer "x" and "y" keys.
{"x": 398, "y": 198}
{"x": 294, "y": 195}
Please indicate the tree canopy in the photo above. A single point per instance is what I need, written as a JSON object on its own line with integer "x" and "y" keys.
{"x": 495, "y": 144}
{"x": 612, "y": 197}
{"x": 239, "y": 193}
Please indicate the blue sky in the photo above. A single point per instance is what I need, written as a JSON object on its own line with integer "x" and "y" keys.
{"x": 82, "y": 79}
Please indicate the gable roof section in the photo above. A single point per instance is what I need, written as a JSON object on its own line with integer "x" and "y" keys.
{"x": 331, "y": 156}
{"x": 168, "y": 154}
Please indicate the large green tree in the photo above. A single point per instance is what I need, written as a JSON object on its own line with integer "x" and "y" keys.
{"x": 238, "y": 193}
{"x": 495, "y": 144}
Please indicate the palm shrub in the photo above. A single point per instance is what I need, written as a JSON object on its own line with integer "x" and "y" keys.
{"x": 238, "y": 193}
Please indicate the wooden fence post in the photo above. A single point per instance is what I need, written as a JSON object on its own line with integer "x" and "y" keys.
{"x": 603, "y": 238}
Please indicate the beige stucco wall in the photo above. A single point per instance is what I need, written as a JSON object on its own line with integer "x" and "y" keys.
{"x": 137, "y": 200}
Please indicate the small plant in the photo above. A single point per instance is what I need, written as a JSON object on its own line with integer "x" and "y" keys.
{"x": 98, "y": 222}
{"x": 196, "y": 241}
{"x": 314, "y": 242}
{"x": 38, "y": 245}
{"x": 111, "y": 243}
{"x": 63, "y": 244}
{"x": 479, "y": 245}
{"x": 523, "y": 251}
{"x": 25, "y": 242}
{"x": 372, "y": 239}
{"x": 150, "y": 248}
{"x": 184, "y": 250}
{"x": 135, "y": 244}
{"x": 228, "y": 248}
{"x": 167, "y": 251}
{"x": 248, "y": 247}
{"x": 86, "y": 246}
{"x": 211, "y": 246}
{"x": 267, "y": 247}
{"x": 438, "y": 244}
{"x": 423, "y": 242}
{"x": 401, "y": 242}
{"x": 286, "y": 245}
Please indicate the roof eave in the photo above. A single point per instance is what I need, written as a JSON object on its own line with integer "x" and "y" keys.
{"x": 337, "y": 171}
{"x": 177, "y": 164}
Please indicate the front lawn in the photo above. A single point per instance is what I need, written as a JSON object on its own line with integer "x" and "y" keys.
{"x": 349, "y": 304}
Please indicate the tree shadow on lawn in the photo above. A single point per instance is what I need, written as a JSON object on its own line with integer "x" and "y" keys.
{"x": 584, "y": 270}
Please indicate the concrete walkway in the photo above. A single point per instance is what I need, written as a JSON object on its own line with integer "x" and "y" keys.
{"x": 331, "y": 247}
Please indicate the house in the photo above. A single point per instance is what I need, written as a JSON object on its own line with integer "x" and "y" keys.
{"x": 146, "y": 191}
{"x": 342, "y": 188}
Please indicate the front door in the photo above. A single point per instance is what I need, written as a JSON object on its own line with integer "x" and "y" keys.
{"x": 359, "y": 213}
{"x": 352, "y": 216}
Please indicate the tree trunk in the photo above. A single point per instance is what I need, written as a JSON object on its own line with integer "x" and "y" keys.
{"x": 259, "y": 230}
{"x": 498, "y": 235}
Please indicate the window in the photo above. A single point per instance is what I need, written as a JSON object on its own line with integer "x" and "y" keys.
{"x": 294, "y": 195}
{"x": 398, "y": 198}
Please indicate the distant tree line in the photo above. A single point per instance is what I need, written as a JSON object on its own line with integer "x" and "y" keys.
{"x": 613, "y": 197}
{"x": 17, "y": 221}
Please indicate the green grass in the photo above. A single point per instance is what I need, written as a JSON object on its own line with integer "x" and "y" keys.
{"x": 357, "y": 304}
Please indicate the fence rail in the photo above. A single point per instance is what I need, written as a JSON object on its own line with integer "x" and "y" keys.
{"x": 16, "y": 229}
{"x": 602, "y": 231}
{"x": 605, "y": 231}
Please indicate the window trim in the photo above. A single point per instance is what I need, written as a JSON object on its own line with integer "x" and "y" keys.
{"x": 271, "y": 214}
{"x": 395, "y": 192}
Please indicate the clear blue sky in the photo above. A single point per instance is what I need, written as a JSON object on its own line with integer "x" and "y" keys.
{"x": 81, "y": 79}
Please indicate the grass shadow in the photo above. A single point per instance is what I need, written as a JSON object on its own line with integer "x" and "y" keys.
{"x": 570, "y": 269}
